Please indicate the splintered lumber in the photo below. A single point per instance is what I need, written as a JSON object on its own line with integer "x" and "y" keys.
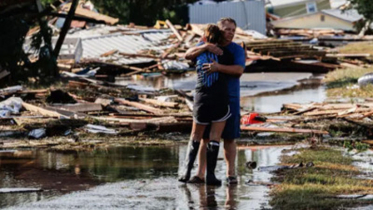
{"x": 42, "y": 111}
{"x": 103, "y": 102}
{"x": 338, "y": 112}
{"x": 368, "y": 114}
{"x": 159, "y": 103}
{"x": 80, "y": 107}
{"x": 176, "y": 32}
{"x": 189, "y": 103}
{"x": 139, "y": 106}
{"x": 91, "y": 14}
{"x": 348, "y": 55}
{"x": 111, "y": 52}
{"x": 77, "y": 84}
{"x": 144, "y": 115}
{"x": 126, "y": 120}
{"x": 282, "y": 130}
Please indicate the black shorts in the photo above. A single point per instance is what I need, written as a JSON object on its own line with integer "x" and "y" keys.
{"x": 204, "y": 114}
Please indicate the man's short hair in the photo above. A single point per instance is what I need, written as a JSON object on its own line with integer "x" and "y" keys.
{"x": 228, "y": 19}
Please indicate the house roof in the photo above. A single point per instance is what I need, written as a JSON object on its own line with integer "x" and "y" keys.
{"x": 348, "y": 15}
{"x": 281, "y": 3}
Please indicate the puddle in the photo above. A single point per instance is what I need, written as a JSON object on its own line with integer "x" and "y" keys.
{"x": 273, "y": 103}
{"x": 128, "y": 178}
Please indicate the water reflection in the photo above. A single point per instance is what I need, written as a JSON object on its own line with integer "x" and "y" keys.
{"x": 141, "y": 178}
{"x": 273, "y": 103}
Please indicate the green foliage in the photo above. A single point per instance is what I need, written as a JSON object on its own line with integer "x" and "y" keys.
{"x": 145, "y": 12}
{"x": 316, "y": 187}
{"x": 364, "y": 7}
{"x": 360, "y": 147}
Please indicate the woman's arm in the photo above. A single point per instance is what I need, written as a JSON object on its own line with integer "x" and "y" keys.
{"x": 193, "y": 52}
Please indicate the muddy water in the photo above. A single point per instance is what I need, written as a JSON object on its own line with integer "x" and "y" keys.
{"x": 260, "y": 92}
{"x": 127, "y": 178}
{"x": 274, "y": 102}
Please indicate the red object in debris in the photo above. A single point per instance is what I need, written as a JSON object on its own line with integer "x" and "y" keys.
{"x": 252, "y": 118}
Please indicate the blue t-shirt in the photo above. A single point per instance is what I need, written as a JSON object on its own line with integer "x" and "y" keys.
{"x": 239, "y": 59}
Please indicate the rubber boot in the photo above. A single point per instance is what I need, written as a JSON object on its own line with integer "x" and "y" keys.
{"x": 191, "y": 157}
{"x": 211, "y": 159}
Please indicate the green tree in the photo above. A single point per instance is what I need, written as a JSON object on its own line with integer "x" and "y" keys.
{"x": 365, "y": 8}
{"x": 145, "y": 12}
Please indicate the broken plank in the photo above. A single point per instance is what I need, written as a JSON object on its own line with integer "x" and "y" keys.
{"x": 153, "y": 120}
{"x": 282, "y": 130}
{"x": 111, "y": 52}
{"x": 341, "y": 55}
{"x": 103, "y": 102}
{"x": 139, "y": 106}
{"x": 42, "y": 111}
{"x": 174, "y": 30}
{"x": 159, "y": 103}
{"x": 79, "y": 107}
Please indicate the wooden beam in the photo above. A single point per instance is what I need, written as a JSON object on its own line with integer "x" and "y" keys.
{"x": 80, "y": 107}
{"x": 176, "y": 32}
{"x": 111, "y": 52}
{"x": 282, "y": 130}
{"x": 139, "y": 106}
{"x": 159, "y": 103}
{"x": 42, "y": 111}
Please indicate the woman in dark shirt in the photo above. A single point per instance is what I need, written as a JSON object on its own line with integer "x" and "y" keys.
{"x": 211, "y": 106}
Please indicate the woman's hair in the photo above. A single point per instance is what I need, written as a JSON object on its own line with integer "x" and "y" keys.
{"x": 213, "y": 34}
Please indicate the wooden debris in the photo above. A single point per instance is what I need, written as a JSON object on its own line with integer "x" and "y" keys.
{"x": 159, "y": 103}
{"x": 111, "y": 52}
{"x": 176, "y": 32}
{"x": 42, "y": 111}
{"x": 139, "y": 106}
{"x": 103, "y": 102}
{"x": 80, "y": 107}
{"x": 282, "y": 130}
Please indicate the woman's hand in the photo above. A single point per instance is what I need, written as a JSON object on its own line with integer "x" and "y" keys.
{"x": 211, "y": 67}
{"x": 213, "y": 49}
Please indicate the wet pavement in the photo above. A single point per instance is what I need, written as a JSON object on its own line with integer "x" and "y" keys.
{"x": 129, "y": 178}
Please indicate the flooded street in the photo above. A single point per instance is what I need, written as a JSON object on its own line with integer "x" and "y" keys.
{"x": 128, "y": 178}
{"x": 260, "y": 92}
{"x": 121, "y": 177}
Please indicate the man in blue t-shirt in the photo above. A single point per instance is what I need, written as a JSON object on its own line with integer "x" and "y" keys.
{"x": 232, "y": 127}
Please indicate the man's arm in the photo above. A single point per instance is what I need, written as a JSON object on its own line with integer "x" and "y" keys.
{"x": 234, "y": 70}
{"x": 193, "y": 52}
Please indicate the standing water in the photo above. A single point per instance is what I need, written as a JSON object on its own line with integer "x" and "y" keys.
{"x": 128, "y": 178}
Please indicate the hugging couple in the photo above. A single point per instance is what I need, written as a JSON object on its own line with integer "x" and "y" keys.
{"x": 216, "y": 110}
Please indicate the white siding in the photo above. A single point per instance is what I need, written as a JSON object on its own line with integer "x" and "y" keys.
{"x": 248, "y": 14}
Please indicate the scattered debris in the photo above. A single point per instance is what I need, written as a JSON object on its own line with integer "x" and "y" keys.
{"x": 37, "y": 133}
{"x": 99, "y": 129}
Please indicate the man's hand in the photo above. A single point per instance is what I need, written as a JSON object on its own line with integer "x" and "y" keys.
{"x": 211, "y": 67}
{"x": 213, "y": 49}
